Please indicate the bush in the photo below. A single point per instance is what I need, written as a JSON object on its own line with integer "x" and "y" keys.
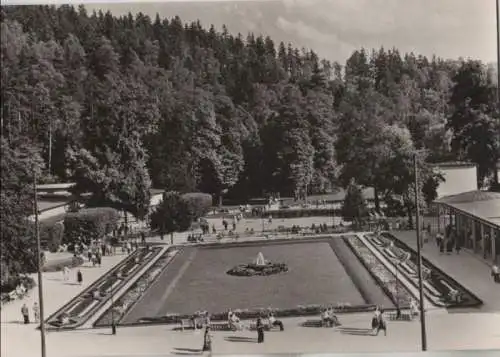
{"x": 71, "y": 262}
{"x": 51, "y": 235}
{"x": 89, "y": 224}
{"x": 198, "y": 203}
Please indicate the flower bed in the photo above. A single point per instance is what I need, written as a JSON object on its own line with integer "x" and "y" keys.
{"x": 104, "y": 286}
{"x": 135, "y": 292}
{"x": 438, "y": 279}
{"x": 299, "y": 311}
{"x": 258, "y": 270}
{"x": 386, "y": 280}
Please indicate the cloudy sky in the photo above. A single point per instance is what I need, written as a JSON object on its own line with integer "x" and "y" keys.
{"x": 334, "y": 28}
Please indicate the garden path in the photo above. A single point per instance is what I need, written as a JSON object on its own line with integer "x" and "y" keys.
{"x": 468, "y": 270}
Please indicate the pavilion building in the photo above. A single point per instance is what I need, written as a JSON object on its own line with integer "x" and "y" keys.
{"x": 474, "y": 214}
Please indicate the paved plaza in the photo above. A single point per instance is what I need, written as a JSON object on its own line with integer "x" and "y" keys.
{"x": 478, "y": 329}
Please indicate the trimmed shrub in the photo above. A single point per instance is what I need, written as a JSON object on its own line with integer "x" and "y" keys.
{"x": 198, "y": 203}
{"x": 89, "y": 224}
{"x": 71, "y": 262}
{"x": 51, "y": 235}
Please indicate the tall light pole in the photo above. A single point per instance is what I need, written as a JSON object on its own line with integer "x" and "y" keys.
{"x": 419, "y": 258}
{"x": 39, "y": 269}
{"x": 497, "y": 2}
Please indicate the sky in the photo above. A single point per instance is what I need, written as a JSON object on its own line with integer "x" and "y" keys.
{"x": 335, "y": 28}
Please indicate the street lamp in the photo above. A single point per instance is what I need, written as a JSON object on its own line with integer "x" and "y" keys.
{"x": 113, "y": 322}
{"x": 419, "y": 257}
{"x": 39, "y": 268}
{"x": 396, "y": 265}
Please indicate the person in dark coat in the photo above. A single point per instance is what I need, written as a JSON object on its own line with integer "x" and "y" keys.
{"x": 260, "y": 331}
{"x": 207, "y": 340}
{"x": 79, "y": 277}
{"x": 381, "y": 324}
{"x": 26, "y": 314}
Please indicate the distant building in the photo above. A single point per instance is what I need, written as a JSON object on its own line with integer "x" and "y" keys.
{"x": 459, "y": 177}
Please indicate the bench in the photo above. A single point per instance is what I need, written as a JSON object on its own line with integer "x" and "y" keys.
{"x": 453, "y": 294}
{"x": 407, "y": 269}
{"x": 390, "y": 253}
{"x": 404, "y": 316}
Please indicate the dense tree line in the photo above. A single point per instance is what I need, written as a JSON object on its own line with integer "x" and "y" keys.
{"x": 121, "y": 104}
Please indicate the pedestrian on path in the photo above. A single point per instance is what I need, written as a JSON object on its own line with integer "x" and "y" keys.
{"x": 79, "y": 277}
{"x": 260, "y": 331}
{"x": 380, "y": 324}
{"x": 207, "y": 340}
{"x": 65, "y": 273}
{"x": 26, "y": 314}
{"x": 495, "y": 273}
{"x": 36, "y": 312}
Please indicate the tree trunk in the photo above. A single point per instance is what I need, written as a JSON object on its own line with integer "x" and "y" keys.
{"x": 410, "y": 217}
{"x": 220, "y": 199}
{"x": 171, "y": 238}
{"x": 377, "y": 201}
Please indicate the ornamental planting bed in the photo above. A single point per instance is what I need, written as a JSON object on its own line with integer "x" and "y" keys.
{"x": 118, "y": 310}
{"x": 81, "y": 308}
{"x": 323, "y": 272}
{"x": 396, "y": 291}
{"x": 439, "y": 288}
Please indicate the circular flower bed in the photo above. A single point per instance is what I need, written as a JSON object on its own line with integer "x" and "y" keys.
{"x": 258, "y": 269}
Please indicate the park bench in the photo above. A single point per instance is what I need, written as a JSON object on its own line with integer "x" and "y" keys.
{"x": 407, "y": 268}
{"x": 404, "y": 316}
{"x": 453, "y": 294}
{"x": 377, "y": 241}
{"x": 390, "y": 253}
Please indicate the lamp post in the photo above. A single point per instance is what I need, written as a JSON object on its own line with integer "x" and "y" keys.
{"x": 113, "y": 322}
{"x": 39, "y": 269}
{"x": 419, "y": 258}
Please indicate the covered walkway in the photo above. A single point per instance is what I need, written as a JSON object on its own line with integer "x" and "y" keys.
{"x": 473, "y": 220}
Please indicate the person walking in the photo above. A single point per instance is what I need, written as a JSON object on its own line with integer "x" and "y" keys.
{"x": 26, "y": 314}
{"x": 36, "y": 312}
{"x": 260, "y": 331}
{"x": 381, "y": 324}
{"x": 207, "y": 340}
{"x": 495, "y": 273}
{"x": 79, "y": 277}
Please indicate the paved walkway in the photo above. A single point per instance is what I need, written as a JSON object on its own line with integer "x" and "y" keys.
{"x": 467, "y": 269}
{"x": 445, "y": 331}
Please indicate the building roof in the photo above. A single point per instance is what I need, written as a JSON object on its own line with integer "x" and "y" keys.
{"x": 481, "y": 204}
{"x": 450, "y": 164}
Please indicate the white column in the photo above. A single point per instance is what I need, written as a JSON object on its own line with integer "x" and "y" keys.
{"x": 493, "y": 246}
{"x": 482, "y": 239}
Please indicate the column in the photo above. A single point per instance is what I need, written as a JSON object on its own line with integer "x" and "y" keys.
{"x": 493, "y": 246}
{"x": 473, "y": 228}
{"x": 439, "y": 218}
{"x": 482, "y": 239}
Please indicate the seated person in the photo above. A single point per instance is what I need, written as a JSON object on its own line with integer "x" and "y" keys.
{"x": 274, "y": 322}
{"x": 325, "y": 317}
{"x": 334, "y": 321}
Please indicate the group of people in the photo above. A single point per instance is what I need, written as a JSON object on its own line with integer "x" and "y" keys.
{"x": 328, "y": 318}
{"x": 26, "y": 313}
{"x": 261, "y": 325}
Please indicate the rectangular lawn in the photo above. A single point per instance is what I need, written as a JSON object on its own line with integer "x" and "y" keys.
{"x": 315, "y": 276}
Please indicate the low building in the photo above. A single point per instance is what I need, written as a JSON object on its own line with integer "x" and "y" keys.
{"x": 459, "y": 177}
{"x": 475, "y": 215}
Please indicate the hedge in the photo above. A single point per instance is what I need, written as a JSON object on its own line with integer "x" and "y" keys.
{"x": 198, "y": 203}
{"x": 51, "y": 235}
{"x": 90, "y": 224}
{"x": 71, "y": 262}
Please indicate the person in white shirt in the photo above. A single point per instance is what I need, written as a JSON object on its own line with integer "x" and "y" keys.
{"x": 274, "y": 322}
{"x": 495, "y": 273}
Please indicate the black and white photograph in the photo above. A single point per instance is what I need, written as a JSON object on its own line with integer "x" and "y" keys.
{"x": 250, "y": 178}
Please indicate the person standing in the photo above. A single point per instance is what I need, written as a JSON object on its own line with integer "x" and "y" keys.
{"x": 207, "y": 340}
{"x": 495, "y": 273}
{"x": 79, "y": 277}
{"x": 260, "y": 331}
{"x": 36, "y": 312}
{"x": 26, "y": 314}
{"x": 381, "y": 324}
{"x": 66, "y": 273}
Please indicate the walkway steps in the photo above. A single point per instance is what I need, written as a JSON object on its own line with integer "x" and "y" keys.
{"x": 90, "y": 322}
{"x": 402, "y": 278}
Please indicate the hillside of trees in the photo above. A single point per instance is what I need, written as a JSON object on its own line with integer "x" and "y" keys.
{"x": 119, "y": 105}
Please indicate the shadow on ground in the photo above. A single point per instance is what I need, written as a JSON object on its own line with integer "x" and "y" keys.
{"x": 356, "y": 331}
{"x": 240, "y": 339}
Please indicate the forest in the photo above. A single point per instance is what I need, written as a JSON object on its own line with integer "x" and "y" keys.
{"x": 122, "y": 104}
